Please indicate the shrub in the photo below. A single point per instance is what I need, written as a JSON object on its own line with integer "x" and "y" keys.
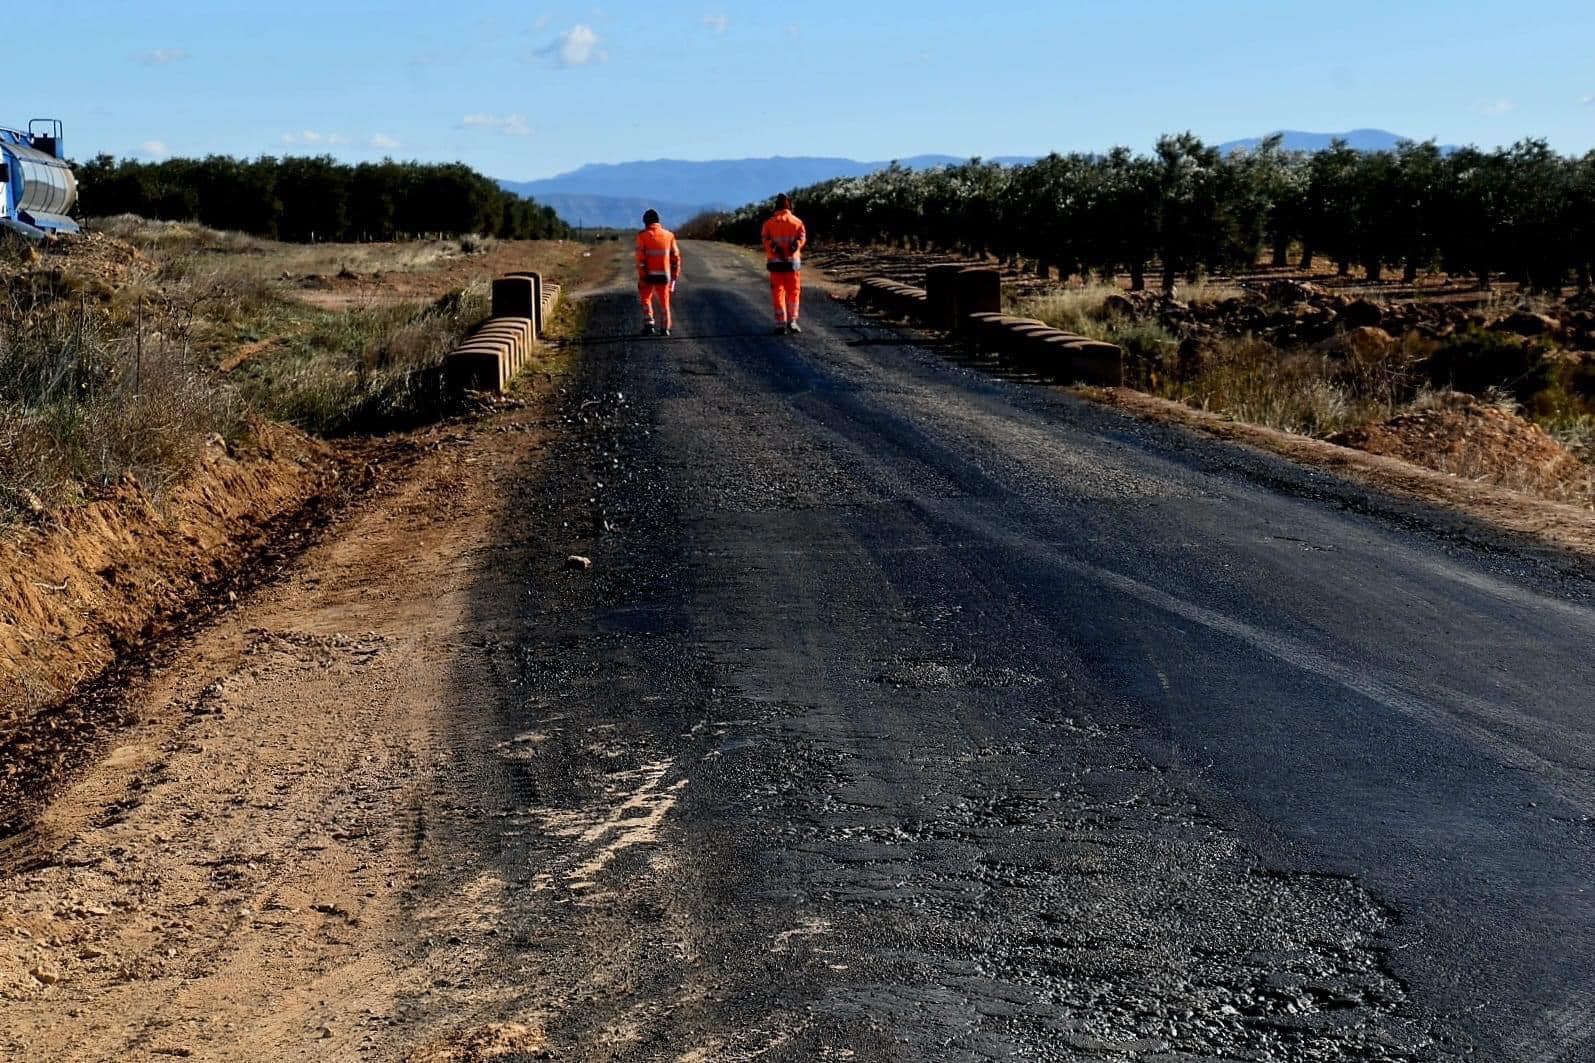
{"x": 1476, "y": 360}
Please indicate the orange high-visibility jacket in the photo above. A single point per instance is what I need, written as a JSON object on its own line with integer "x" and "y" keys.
{"x": 658, "y": 257}
{"x": 784, "y": 237}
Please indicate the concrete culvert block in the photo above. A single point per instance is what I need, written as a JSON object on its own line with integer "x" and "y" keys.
{"x": 1017, "y": 341}
{"x": 979, "y": 291}
{"x": 518, "y": 329}
{"x": 941, "y": 296}
{"x": 538, "y": 297}
{"x": 1052, "y": 355}
{"x": 901, "y": 300}
{"x": 516, "y": 339}
{"x": 910, "y": 301}
{"x": 501, "y": 349}
{"x": 872, "y": 290}
{"x": 474, "y": 370}
{"x": 974, "y": 325}
{"x": 550, "y": 300}
{"x": 1098, "y": 363}
{"x": 514, "y": 297}
{"x": 998, "y": 329}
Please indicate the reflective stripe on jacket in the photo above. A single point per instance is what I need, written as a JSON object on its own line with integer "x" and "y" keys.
{"x": 784, "y": 237}
{"x": 658, "y": 256}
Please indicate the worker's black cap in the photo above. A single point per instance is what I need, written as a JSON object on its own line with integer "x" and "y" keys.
{"x": 650, "y": 216}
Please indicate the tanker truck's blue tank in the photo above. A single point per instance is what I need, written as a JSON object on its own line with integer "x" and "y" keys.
{"x": 37, "y": 188}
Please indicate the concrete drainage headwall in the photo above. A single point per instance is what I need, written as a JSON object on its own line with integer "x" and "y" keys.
{"x": 967, "y": 302}
{"x": 494, "y": 351}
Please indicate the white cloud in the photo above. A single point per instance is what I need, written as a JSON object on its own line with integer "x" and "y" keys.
{"x": 383, "y": 142}
{"x": 312, "y": 139}
{"x": 577, "y": 46}
{"x": 1588, "y": 101}
{"x": 1496, "y": 108}
{"x": 160, "y": 56}
{"x": 718, "y": 23}
{"x": 155, "y": 149}
{"x": 511, "y": 125}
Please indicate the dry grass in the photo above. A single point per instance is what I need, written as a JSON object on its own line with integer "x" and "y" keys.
{"x": 1148, "y": 346}
{"x": 1302, "y": 392}
{"x": 232, "y": 257}
{"x": 109, "y": 356}
{"x": 366, "y": 369}
{"x": 1086, "y": 302}
{"x": 1078, "y": 310}
{"x": 81, "y": 405}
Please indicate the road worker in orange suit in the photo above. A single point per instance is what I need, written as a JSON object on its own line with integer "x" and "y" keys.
{"x": 658, "y": 269}
{"x": 784, "y": 238}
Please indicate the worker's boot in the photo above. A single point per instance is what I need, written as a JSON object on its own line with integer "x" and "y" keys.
{"x": 665, "y": 331}
{"x": 647, "y": 328}
{"x": 793, "y": 327}
{"x": 780, "y": 329}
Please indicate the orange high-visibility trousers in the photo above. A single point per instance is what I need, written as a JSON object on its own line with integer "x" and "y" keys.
{"x": 647, "y": 292}
{"x": 785, "y": 291}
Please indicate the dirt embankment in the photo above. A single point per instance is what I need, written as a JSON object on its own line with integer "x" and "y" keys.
{"x": 235, "y": 879}
{"x": 84, "y": 583}
{"x": 1524, "y": 518}
{"x": 1460, "y": 435}
{"x": 80, "y": 582}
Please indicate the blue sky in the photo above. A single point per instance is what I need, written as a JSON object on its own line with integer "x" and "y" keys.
{"x": 524, "y": 90}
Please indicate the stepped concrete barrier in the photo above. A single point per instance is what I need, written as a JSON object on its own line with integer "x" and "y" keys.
{"x": 996, "y": 331}
{"x": 1066, "y": 358}
{"x": 968, "y": 302}
{"x": 495, "y": 350}
{"x": 892, "y": 297}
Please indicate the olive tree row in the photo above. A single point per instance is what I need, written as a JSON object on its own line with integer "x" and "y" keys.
{"x": 1523, "y": 211}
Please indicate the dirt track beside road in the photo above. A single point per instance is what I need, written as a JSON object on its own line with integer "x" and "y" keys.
{"x": 277, "y": 859}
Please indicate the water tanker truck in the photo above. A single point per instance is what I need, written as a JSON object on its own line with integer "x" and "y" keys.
{"x": 37, "y": 188}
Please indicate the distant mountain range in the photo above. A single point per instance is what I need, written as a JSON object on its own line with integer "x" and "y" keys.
{"x": 1295, "y": 140}
{"x": 614, "y": 195}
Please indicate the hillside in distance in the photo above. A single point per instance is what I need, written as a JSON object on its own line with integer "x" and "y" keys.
{"x": 1296, "y": 140}
{"x": 614, "y": 195}
{"x": 612, "y": 212}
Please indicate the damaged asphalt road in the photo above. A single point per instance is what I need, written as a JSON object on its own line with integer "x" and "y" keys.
{"x": 907, "y": 713}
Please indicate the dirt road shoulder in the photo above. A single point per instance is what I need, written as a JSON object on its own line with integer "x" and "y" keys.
{"x": 254, "y": 870}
